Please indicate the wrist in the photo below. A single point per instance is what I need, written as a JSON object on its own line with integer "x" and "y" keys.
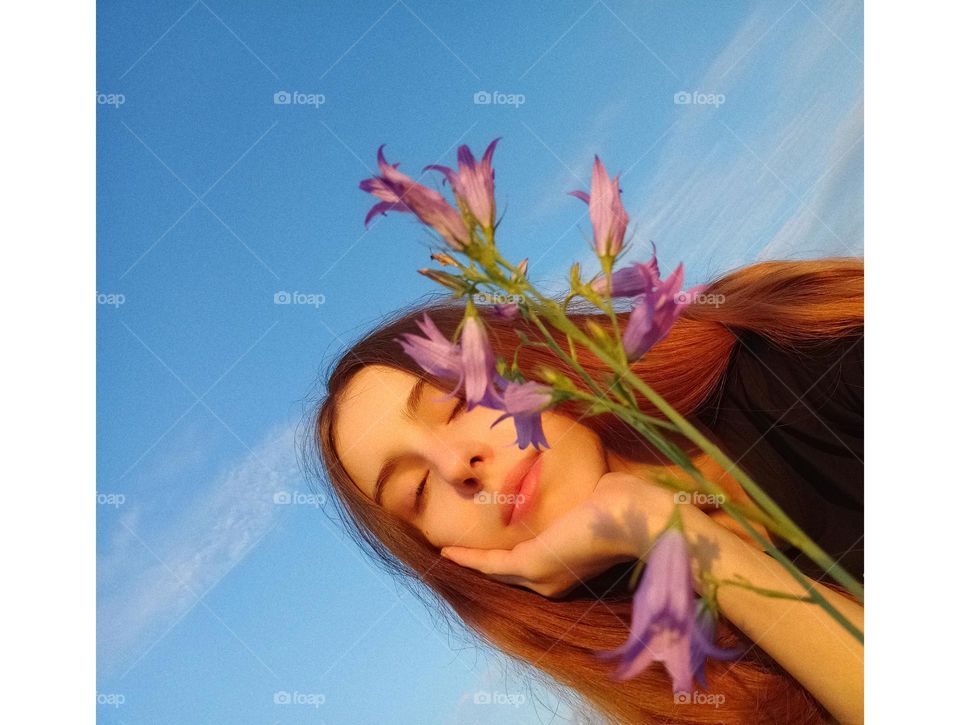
{"x": 642, "y": 511}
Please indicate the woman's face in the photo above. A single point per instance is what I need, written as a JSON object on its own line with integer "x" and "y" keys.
{"x": 471, "y": 469}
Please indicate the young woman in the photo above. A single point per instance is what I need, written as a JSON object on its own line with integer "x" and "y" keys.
{"x": 774, "y": 374}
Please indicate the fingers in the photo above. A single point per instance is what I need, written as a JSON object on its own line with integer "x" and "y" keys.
{"x": 487, "y": 561}
{"x": 498, "y": 564}
{"x": 507, "y": 565}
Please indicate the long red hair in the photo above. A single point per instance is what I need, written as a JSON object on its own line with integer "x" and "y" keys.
{"x": 793, "y": 303}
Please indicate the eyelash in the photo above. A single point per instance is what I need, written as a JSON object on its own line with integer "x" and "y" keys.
{"x": 457, "y": 408}
{"x": 456, "y": 411}
{"x": 422, "y": 485}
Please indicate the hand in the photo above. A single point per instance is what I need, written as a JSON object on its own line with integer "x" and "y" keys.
{"x": 617, "y": 523}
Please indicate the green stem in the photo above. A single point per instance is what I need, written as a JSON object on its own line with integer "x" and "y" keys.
{"x": 795, "y": 535}
{"x": 760, "y": 590}
{"x": 767, "y": 545}
{"x": 792, "y": 532}
{"x": 607, "y": 264}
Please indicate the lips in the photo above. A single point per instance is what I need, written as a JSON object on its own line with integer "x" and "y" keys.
{"x": 514, "y": 481}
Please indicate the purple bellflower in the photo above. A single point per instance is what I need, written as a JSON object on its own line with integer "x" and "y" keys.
{"x": 663, "y": 616}
{"x": 479, "y": 364}
{"x": 655, "y": 311}
{"x": 630, "y": 281}
{"x": 472, "y": 364}
{"x": 473, "y": 184}
{"x": 525, "y": 402}
{"x": 434, "y": 353}
{"x": 664, "y": 625}
{"x": 607, "y": 215}
{"x": 702, "y": 646}
{"x": 398, "y": 192}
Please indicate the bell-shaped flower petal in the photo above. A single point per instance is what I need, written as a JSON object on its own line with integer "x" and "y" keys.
{"x": 607, "y": 215}
{"x": 702, "y": 643}
{"x": 434, "y": 353}
{"x": 479, "y": 363}
{"x": 668, "y": 624}
{"x": 654, "y": 312}
{"x": 398, "y": 192}
{"x": 524, "y": 402}
{"x": 473, "y": 183}
{"x": 663, "y": 615}
{"x": 629, "y": 281}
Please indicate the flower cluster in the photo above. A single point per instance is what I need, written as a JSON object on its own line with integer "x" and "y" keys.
{"x": 468, "y": 227}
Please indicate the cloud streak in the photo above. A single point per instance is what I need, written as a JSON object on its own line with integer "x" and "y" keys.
{"x": 732, "y": 184}
{"x": 147, "y": 586}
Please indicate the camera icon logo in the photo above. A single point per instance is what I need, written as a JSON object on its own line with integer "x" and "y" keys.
{"x": 482, "y": 98}
{"x": 681, "y": 497}
{"x": 281, "y": 298}
{"x": 282, "y": 98}
{"x": 682, "y": 98}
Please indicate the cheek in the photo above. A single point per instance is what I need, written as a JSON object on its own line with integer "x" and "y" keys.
{"x": 452, "y": 521}
{"x": 576, "y": 463}
{"x": 580, "y": 449}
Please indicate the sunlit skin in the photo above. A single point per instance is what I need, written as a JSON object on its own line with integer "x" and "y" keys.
{"x": 461, "y": 456}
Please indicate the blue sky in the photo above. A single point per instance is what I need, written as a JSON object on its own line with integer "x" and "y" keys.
{"x": 213, "y": 594}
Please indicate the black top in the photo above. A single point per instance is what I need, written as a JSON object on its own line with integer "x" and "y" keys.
{"x": 793, "y": 420}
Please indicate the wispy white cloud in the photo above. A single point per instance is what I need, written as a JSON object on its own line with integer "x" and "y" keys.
{"x": 774, "y": 171}
{"x": 148, "y": 581}
{"x": 835, "y": 199}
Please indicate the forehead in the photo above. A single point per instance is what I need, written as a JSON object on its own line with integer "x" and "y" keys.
{"x": 369, "y": 421}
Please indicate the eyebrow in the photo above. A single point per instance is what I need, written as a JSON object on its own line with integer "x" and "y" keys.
{"x": 409, "y": 411}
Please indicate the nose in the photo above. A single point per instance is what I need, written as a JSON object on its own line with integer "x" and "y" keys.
{"x": 472, "y": 481}
{"x": 466, "y": 473}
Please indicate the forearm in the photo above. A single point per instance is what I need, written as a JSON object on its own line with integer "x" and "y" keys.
{"x": 806, "y": 641}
